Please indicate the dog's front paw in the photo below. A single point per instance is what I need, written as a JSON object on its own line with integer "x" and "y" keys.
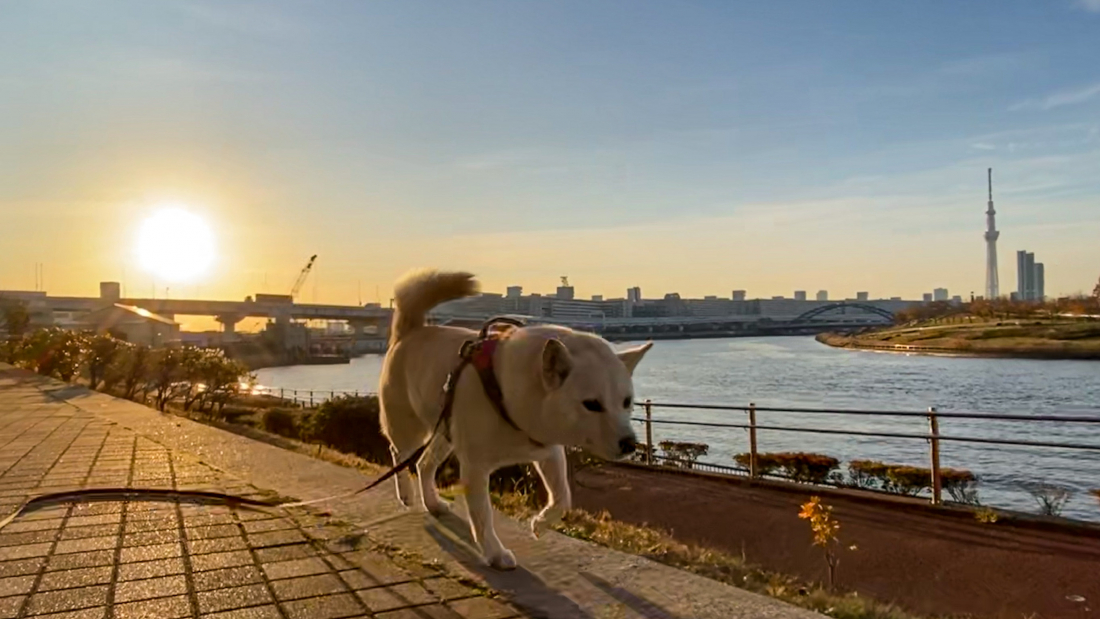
{"x": 503, "y": 560}
{"x": 439, "y": 508}
{"x": 545, "y": 521}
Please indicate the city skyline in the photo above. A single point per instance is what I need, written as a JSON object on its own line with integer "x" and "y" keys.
{"x": 695, "y": 150}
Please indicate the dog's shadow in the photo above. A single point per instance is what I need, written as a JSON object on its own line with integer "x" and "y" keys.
{"x": 522, "y": 586}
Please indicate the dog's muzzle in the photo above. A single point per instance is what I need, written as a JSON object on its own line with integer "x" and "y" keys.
{"x": 626, "y": 446}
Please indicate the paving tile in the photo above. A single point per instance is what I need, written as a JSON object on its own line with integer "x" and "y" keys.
{"x": 164, "y": 586}
{"x": 98, "y": 612}
{"x": 308, "y": 586}
{"x": 481, "y": 608}
{"x": 159, "y": 608}
{"x": 150, "y": 569}
{"x": 82, "y": 559}
{"x": 7, "y": 553}
{"x": 328, "y": 607}
{"x": 378, "y": 568}
{"x": 396, "y": 596}
{"x": 228, "y": 577}
{"x": 433, "y": 611}
{"x": 81, "y": 577}
{"x": 148, "y": 553}
{"x": 232, "y": 598}
{"x": 219, "y": 560}
{"x": 221, "y": 544}
{"x": 285, "y": 553}
{"x": 67, "y": 599}
{"x": 27, "y": 537}
{"x": 151, "y": 538}
{"x": 23, "y": 524}
{"x": 447, "y": 589}
{"x": 275, "y": 538}
{"x": 271, "y": 524}
{"x": 81, "y": 521}
{"x": 98, "y": 530}
{"x": 16, "y": 585}
{"x": 294, "y": 568}
{"x": 255, "y": 612}
{"x": 213, "y": 531}
{"x": 20, "y": 567}
{"x": 86, "y": 544}
{"x": 9, "y": 607}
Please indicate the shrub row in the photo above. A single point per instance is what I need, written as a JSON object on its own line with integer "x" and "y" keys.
{"x": 798, "y": 466}
{"x": 201, "y": 379}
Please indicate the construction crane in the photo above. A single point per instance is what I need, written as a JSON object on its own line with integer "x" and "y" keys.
{"x": 302, "y": 277}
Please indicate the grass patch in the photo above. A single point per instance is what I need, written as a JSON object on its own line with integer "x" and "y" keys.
{"x": 660, "y": 546}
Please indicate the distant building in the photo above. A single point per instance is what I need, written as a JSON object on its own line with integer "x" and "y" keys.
{"x": 514, "y": 292}
{"x": 799, "y": 295}
{"x": 597, "y": 297}
{"x": 110, "y": 291}
{"x": 565, "y": 293}
{"x": 928, "y": 297}
{"x": 940, "y": 294}
{"x": 895, "y": 298}
{"x": 1030, "y": 277}
{"x": 862, "y": 296}
{"x": 739, "y": 295}
{"x": 779, "y": 298}
{"x": 634, "y": 295}
{"x": 133, "y": 324}
{"x": 822, "y": 295}
{"x": 957, "y": 300}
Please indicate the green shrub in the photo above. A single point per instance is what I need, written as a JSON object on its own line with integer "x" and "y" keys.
{"x": 802, "y": 467}
{"x": 349, "y": 424}
{"x": 867, "y": 474}
{"x": 961, "y": 484}
{"x": 907, "y": 480}
{"x": 281, "y": 421}
{"x": 681, "y": 454}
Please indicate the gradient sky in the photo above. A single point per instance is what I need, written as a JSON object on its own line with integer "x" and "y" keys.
{"x": 696, "y": 147}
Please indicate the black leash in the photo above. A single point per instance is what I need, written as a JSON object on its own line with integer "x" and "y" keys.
{"x": 467, "y": 355}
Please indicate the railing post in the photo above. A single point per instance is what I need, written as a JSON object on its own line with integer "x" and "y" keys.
{"x": 311, "y": 398}
{"x": 281, "y": 394}
{"x": 649, "y": 432}
{"x": 753, "y": 473}
{"x": 937, "y": 481}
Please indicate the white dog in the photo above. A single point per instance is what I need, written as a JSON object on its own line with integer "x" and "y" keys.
{"x": 560, "y": 388}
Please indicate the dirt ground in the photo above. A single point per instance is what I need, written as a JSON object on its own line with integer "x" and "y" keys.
{"x": 926, "y": 562}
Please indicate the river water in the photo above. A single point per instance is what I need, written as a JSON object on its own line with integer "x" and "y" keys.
{"x": 799, "y": 372}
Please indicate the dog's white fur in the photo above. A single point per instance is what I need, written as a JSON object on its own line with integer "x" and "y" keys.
{"x": 546, "y": 374}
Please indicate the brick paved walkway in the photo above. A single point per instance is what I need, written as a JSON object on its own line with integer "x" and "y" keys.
{"x": 164, "y": 560}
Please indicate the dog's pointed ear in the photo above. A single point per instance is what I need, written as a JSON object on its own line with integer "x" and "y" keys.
{"x": 631, "y": 357}
{"x": 556, "y": 364}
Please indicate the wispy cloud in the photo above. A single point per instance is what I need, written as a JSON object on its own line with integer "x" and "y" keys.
{"x": 983, "y": 146}
{"x": 1093, "y": 6}
{"x": 1060, "y": 98}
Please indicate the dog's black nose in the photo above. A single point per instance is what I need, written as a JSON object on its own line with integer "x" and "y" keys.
{"x": 626, "y": 446}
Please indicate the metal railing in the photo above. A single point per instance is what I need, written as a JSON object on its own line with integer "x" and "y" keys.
{"x": 307, "y": 397}
{"x": 933, "y": 437}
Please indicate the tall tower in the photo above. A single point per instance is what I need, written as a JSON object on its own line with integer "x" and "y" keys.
{"x": 992, "y": 285}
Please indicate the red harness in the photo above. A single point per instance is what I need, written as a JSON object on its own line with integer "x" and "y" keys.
{"x": 479, "y": 353}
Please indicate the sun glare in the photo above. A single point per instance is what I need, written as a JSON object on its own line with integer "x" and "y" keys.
{"x": 175, "y": 245}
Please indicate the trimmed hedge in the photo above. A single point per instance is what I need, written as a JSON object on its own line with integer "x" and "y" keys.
{"x": 809, "y": 468}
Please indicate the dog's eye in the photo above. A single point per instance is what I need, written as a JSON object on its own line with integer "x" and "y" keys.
{"x": 628, "y": 403}
{"x": 593, "y": 405}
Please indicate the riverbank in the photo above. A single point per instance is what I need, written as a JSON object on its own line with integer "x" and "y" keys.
{"x": 1024, "y": 340}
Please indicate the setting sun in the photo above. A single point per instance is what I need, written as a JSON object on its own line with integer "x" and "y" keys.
{"x": 175, "y": 245}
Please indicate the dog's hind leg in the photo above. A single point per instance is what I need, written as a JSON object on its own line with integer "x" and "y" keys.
{"x": 429, "y": 463}
{"x": 555, "y": 476}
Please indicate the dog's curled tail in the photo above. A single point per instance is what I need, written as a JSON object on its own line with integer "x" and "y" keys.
{"x": 418, "y": 292}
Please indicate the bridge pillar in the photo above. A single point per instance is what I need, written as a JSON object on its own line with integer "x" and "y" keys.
{"x": 229, "y": 324}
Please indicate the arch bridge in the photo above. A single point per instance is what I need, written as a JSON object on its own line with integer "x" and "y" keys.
{"x": 832, "y": 307}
